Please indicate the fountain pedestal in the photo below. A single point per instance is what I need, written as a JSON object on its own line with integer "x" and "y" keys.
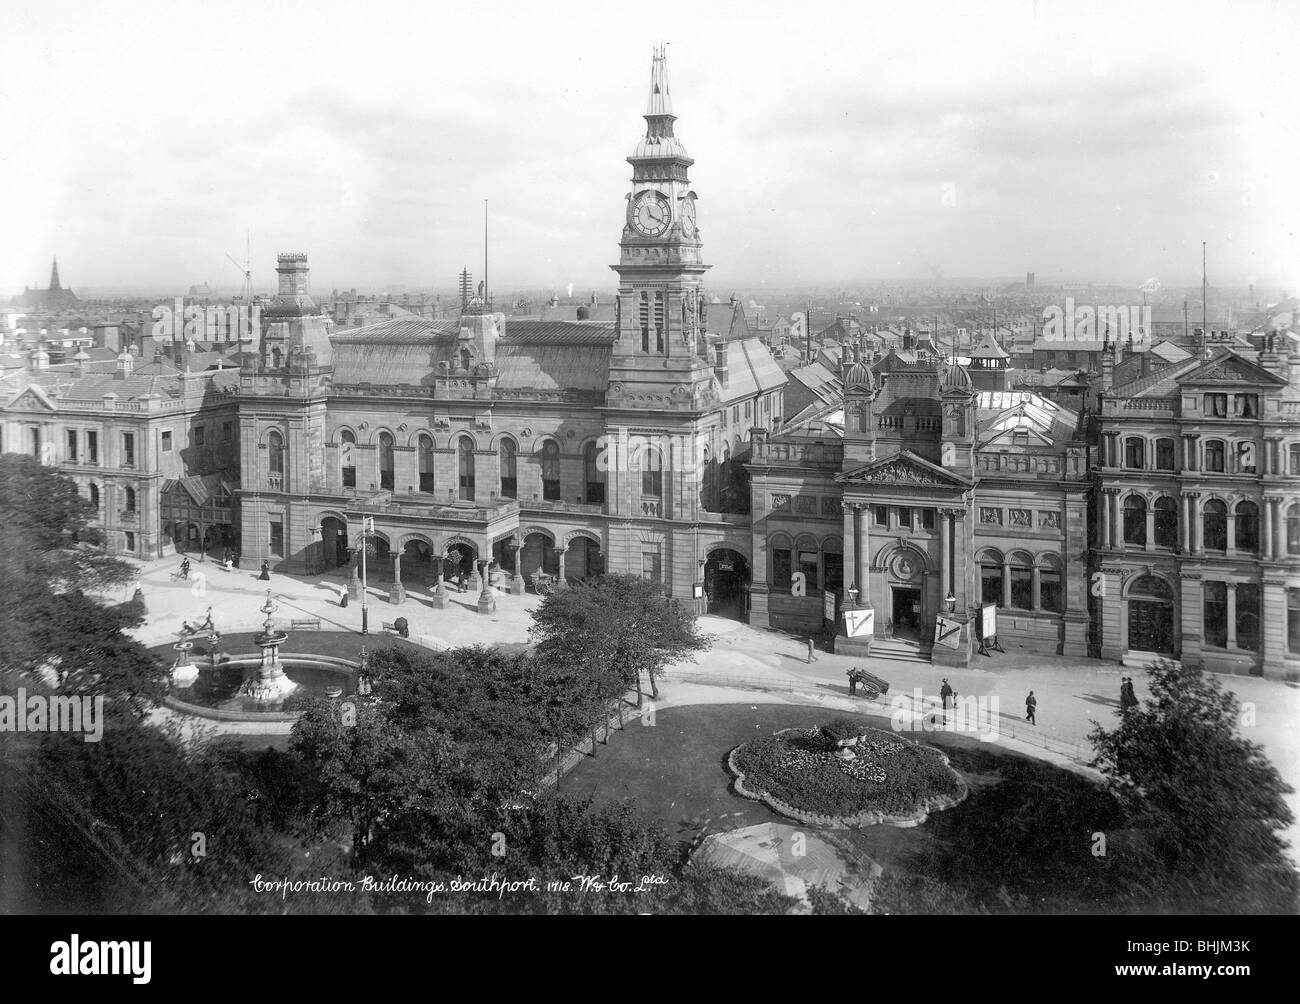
{"x": 270, "y": 684}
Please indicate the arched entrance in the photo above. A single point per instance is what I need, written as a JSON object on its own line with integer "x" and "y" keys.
{"x": 583, "y": 559}
{"x": 726, "y": 583}
{"x": 334, "y": 541}
{"x": 538, "y": 553}
{"x": 1151, "y": 616}
{"x": 417, "y": 561}
{"x": 459, "y": 562}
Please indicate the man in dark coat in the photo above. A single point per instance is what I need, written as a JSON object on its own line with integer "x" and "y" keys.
{"x": 1031, "y": 707}
{"x": 946, "y": 693}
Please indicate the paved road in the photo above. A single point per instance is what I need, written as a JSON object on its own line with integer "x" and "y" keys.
{"x": 744, "y": 664}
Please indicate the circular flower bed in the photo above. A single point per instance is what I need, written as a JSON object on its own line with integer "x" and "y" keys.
{"x": 845, "y": 775}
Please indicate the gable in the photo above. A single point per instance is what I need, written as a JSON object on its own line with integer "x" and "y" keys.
{"x": 903, "y": 468}
{"x": 32, "y": 399}
{"x": 1230, "y": 369}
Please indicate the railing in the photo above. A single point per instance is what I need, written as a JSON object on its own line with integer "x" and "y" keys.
{"x": 651, "y": 508}
{"x": 558, "y": 505}
{"x": 275, "y": 482}
{"x": 1158, "y": 404}
{"x": 730, "y": 518}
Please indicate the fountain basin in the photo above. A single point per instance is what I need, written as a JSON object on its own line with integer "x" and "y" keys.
{"x": 230, "y": 693}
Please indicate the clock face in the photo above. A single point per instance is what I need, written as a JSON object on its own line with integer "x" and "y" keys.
{"x": 651, "y": 214}
{"x": 688, "y": 217}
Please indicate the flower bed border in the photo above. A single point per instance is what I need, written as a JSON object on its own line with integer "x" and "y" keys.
{"x": 868, "y": 817}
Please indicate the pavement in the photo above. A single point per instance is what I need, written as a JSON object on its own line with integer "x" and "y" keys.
{"x": 744, "y": 665}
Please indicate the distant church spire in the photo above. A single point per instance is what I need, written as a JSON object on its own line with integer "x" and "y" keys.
{"x": 54, "y": 277}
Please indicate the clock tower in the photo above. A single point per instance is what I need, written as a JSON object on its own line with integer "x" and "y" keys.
{"x": 659, "y": 358}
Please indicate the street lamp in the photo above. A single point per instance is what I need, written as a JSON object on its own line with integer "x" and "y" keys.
{"x": 367, "y": 528}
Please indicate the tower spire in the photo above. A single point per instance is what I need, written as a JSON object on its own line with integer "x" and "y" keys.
{"x": 54, "y": 277}
{"x": 661, "y": 102}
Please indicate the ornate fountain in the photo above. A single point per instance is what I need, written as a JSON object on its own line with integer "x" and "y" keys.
{"x": 270, "y": 684}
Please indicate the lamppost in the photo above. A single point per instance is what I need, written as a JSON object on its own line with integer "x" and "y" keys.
{"x": 367, "y": 528}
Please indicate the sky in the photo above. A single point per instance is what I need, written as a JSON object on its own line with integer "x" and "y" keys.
{"x": 835, "y": 143}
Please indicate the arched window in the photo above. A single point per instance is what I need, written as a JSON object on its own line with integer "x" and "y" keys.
{"x": 1293, "y": 529}
{"x": 425, "y": 444}
{"x": 275, "y": 459}
{"x": 652, "y": 472}
{"x": 465, "y": 465}
{"x": 991, "y": 577}
{"x": 1214, "y": 524}
{"x": 1214, "y": 454}
{"x": 1152, "y": 588}
{"x": 1248, "y": 616}
{"x": 1293, "y": 621}
{"x": 1135, "y": 452}
{"x": 593, "y": 475}
{"x": 862, "y": 418}
{"x": 1165, "y": 455}
{"x": 1051, "y": 596}
{"x": 1166, "y": 521}
{"x": 1215, "y": 624}
{"x": 348, "y": 458}
{"x": 782, "y": 562}
{"x": 1247, "y": 527}
{"x": 94, "y": 494}
{"x": 465, "y": 358}
{"x": 551, "y": 471}
{"x": 1022, "y": 581}
{"x": 385, "y": 461}
{"x": 130, "y": 500}
{"x": 1135, "y": 520}
{"x": 509, "y": 468}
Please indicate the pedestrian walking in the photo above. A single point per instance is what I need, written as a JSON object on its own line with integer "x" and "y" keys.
{"x": 811, "y": 658}
{"x": 1031, "y": 706}
{"x": 946, "y": 693}
{"x": 1127, "y": 697}
{"x": 266, "y": 572}
{"x": 343, "y": 597}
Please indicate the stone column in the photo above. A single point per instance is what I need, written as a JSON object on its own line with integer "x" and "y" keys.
{"x": 1151, "y": 527}
{"x": 1194, "y": 517}
{"x": 1006, "y": 583}
{"x": 398, "y": 593}
{"x": 560, "y": 581}
{"x": 439, "y": 590}
{"x": 354, "y": 583}
{"x": 1184, "y": 525}
{"x": 945, "y": 533}
{"x": 1116, "y": 526}
{"x": 487, "y": 603}
{"x": 1231, "y": 520}
{"x": 1279, "y": 526}
{"x": 1266, "y": 542}
{"x": 1232, "y": 614}
{"x": 517, "y": 583}
{"x": 1104, "y": 537}
{"x": 1037, "y": 590}
{"x": 861, "y": 555}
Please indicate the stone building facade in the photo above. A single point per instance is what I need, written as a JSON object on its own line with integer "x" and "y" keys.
{"x": 519, "y": 445}
{"x": 1197, "y": 515}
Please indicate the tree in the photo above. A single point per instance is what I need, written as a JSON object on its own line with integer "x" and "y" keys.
{"x": 1207, "y": 803}
{"x": 619, "y": 628}
{"x": 46, "y": 536}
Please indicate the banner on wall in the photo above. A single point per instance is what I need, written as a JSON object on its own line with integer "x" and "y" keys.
{"x": 859, "y": 623}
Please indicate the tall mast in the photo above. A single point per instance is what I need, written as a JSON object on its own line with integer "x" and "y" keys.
{"x": 1205, "y": 310}
{"x": 485, "y": 253}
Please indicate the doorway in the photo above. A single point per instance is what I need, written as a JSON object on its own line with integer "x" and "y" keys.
{"x": 907, "y": 614}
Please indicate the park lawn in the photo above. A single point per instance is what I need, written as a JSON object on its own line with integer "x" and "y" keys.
{"x": 676, "y": 772}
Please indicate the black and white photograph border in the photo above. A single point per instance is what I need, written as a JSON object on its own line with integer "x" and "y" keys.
{"x": 428, "y": 488}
